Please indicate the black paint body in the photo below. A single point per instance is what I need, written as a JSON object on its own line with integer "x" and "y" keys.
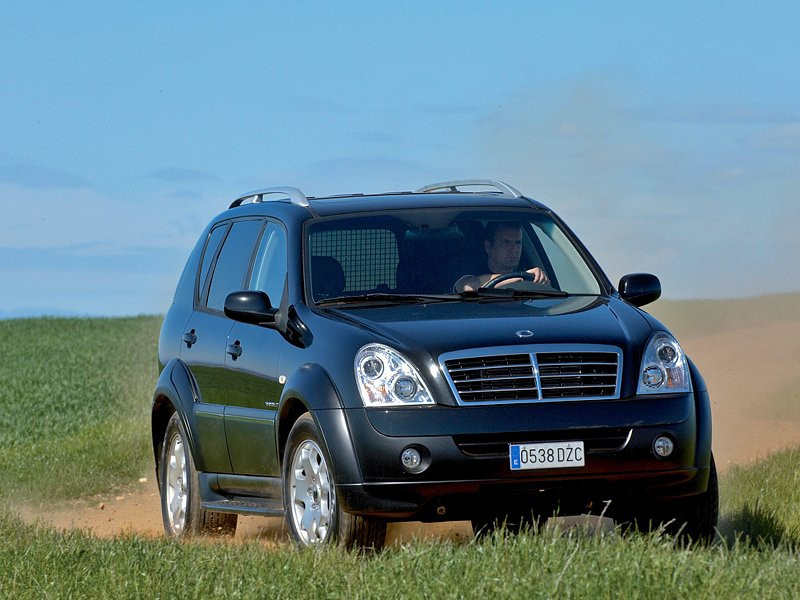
{"x": 238, "y": 408}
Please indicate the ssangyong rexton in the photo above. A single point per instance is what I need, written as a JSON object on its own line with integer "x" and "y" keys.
{"x": 324, "y": 359}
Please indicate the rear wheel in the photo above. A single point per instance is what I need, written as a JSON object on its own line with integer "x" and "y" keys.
{"x": 314, "y": 516}
{"x": 181, "y": 509}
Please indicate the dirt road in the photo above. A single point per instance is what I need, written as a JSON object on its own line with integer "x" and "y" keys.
{"x": 755, "y": 391}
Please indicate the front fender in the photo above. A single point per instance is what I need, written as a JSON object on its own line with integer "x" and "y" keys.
{"x": 703, "y": 417}
{"x": 311, "y": 389}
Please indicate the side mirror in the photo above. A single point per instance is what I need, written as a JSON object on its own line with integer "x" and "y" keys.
{"x": 640, "y": 288}
{"x": 250, "y": 307}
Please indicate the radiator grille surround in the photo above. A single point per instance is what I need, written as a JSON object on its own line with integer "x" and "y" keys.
{"x": 534, "y": 373}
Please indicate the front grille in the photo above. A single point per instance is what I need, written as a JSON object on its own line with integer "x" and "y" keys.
{"x": 494, "y": 378}
{"x": 542, "y": 374}
{"x": 577, "y": 374}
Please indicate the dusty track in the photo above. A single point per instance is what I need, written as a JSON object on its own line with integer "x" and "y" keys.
{"x": 751, "y": 374}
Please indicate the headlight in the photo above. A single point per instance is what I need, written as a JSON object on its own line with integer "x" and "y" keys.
{"x": 386, "y": 378}
{"x": 664, "y": 369}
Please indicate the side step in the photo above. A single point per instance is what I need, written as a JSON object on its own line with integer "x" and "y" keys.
{"x": 266, "y": 507}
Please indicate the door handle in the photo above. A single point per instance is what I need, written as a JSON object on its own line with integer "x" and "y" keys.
{"x": 235, "y": 350}
{"x": 190, "y": 338}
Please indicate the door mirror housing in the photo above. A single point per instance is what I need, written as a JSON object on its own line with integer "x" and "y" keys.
{"x": 640, "y": 288}
{"x": 250, "y": 306}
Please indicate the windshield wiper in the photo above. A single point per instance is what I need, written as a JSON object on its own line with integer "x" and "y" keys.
{"x": 512, "y": 293}
{"x": 381, "y": 297}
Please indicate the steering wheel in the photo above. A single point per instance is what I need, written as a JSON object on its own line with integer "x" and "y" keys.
{"x": 492, "y": 283}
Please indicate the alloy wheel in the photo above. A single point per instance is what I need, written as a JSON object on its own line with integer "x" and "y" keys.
{"x": 312, "y": 494}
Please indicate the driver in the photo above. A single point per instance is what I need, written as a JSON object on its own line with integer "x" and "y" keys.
{"x": 503, "y": 245}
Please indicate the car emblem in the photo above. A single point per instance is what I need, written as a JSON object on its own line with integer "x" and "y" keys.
{"x": 524, "y": 333}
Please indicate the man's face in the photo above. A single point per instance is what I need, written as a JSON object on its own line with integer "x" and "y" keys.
{"x": 506, "y": 250}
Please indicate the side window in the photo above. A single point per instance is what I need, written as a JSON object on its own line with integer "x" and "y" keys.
{"x": 212, "y": 243}
{"x": 234, "y": 258}
{"x": 570, "y": 270}
{"x": 269, "y": 268}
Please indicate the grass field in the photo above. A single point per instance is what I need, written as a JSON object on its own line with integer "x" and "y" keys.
{"x": 74, "y": 402}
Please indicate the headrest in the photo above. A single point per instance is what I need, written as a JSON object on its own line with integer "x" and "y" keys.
{"x": 327, "y": 277}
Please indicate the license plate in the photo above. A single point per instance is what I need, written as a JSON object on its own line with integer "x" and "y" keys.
{"x": 547, "y": 455}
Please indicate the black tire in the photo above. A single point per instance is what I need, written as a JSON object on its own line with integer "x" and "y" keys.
{"x": 693, "y": 519}
{"x": 181, "y": 510}
{"x": 312, "y": 500}
{"x": 513, "y": 523}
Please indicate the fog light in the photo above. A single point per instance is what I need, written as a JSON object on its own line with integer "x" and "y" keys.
{"x": 663, "y": 446}
{"x": 410, "y": 459}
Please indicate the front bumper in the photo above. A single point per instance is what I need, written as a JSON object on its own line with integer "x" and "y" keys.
{"x": 468, "y": 468}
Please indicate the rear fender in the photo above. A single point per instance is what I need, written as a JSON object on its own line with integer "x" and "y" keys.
{"x": 175, "y": 391}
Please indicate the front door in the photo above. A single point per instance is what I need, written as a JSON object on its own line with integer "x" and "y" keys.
{"x": 253, "y": 381}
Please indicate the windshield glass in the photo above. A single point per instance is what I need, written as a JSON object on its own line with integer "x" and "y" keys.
{"x": 443, "y": 251}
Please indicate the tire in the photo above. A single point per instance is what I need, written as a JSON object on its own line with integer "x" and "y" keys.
{"x": 692, "y": 519}
{"x": 513, "y": 523}
{"x": 700, "y": 513}
{"x": 181, "y": 509}
{"x": 314, "y": 517}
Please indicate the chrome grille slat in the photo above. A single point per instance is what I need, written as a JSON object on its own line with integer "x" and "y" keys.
{"x": 542, "y": 373}
{"x": 496, "y": 378}
{"x": 575, "y": 387}
{"x": 564, "y": 375}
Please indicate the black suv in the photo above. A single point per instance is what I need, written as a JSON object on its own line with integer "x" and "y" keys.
{"x": 451, "y": 353}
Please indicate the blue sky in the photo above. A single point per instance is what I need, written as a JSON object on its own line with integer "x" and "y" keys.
{"x": 666, "y": 134}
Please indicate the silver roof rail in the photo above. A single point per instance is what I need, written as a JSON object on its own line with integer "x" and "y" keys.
{"x": 290, "y": 194}
{"x": 452, "y": 186}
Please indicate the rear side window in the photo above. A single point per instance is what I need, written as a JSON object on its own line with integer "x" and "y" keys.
{"x": 231, "y": 266}
{"x": 212, "y": 243}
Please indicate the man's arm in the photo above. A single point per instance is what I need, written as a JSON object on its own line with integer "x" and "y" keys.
{"x": 470, "y": 283}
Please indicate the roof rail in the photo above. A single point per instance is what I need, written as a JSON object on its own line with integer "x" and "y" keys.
{"x": 452, "y": 186}
{"x": 290, "y": 194}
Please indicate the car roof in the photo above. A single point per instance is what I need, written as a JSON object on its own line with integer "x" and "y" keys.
{"x": 334, "y": 205}
{"x": 286, "y": 201}
{"x": 358, "y": 203}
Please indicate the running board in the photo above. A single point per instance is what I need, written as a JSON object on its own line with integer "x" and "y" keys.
{"x": 266, "y": 507}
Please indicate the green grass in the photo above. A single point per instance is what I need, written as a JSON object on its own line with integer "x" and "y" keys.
{"x": 760, "y": 503}
{"x": 74, "y": 404}
{"x": 37, "y": 563}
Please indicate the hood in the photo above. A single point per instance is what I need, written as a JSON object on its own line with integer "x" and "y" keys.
{"x": 445, "y": 327}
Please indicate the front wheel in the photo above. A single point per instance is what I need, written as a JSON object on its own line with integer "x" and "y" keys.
{"x": 181, "y": 509}
{"x": 692, "y": 519}
{"x": 313, "y": 514}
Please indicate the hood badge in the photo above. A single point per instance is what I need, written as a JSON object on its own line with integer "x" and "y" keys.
{"x": 524, "y": 333}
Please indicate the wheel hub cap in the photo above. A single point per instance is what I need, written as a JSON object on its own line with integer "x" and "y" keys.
{"x": 176, "y": 485}
{"x": 312, "y": 494}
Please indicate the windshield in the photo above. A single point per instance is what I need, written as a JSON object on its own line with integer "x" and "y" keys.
{"x": 419, "y": 252}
